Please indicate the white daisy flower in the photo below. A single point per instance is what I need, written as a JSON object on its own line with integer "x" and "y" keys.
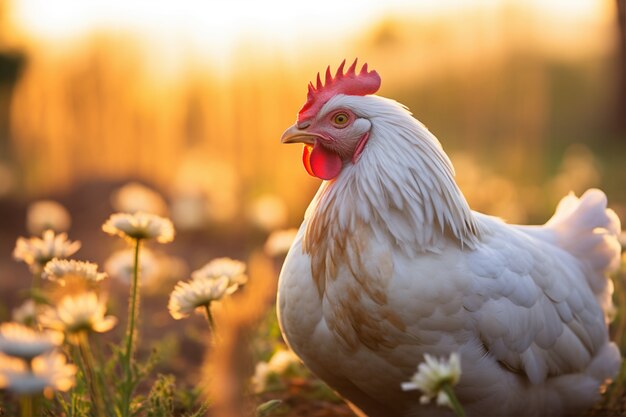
{"x": 279, "y": 242}
{"x": 48, "y": 372}
{"x": 135, "y": 197}
{"x": 77, "y": 313}
{"x": 199, "y": 292}
{"x": 205, "y": 190}
{"x": 26, "y": 313}
{"x": 431, "y": 377}
{"x": 268, "y": 212}
{"x": 280, "y": 361}
{"x": 224, "y": 267}
{"x": 140, "y": 225}
{"x": 23, "y": 342}
{"x": 47, "y": 214}
{"x": 121, "y": 265}
{"x": 59, "y": 269}
{"x": 260, "y": 377}
{"x": 36, "y": 252}
{"x": 190, "y": 210}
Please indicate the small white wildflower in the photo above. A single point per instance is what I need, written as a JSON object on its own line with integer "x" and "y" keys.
{"x": 279, "y": 242}
{"x": 199, "y": 292}
{"x": 268, "y": 212}
{"x": 26, "y": 313}
{"x": 281, "y": 360}
{"x": 60, "y": 269}
{"x": 140, "y": 226}
{"x": 36, "y": 252}
{"x": 205, "y": 189}
{"x": 47, "y": 214}
{"x": 77, "y": 313}
{"x": 224, "y": 267}
{"x": 432, "y": 375}
{"x": 23, "y": 342}
{"x": 278, "y": 364}
{"x": 135, "y": 197}
{"x": 190, "y": 210}
{"x": 260, "y": 377}
{"x": 121, "y": 265}
{"x": 48, "y": 372}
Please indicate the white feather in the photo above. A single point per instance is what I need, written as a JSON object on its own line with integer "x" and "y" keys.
{"x": 525, "y": 306}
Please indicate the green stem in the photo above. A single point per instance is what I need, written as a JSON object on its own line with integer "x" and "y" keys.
{"x": 454, "y": 402}
{"x": 209, "y": 317}
{"x": 36, "y": 284}
{"x": 35, "y": 289}
{"x": 29, "y": 401}
{"x": 132, "y": 314}
{"x": 74, "y": 399}
{"x": 98, "y": 358}
{"x": 621, "y": 297}
{"x": 77, "y": 357}
{"x": 92, "y": 381}
{"x": 27, "y": 405}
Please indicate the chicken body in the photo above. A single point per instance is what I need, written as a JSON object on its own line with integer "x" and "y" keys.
{"x": 390, "y": 263}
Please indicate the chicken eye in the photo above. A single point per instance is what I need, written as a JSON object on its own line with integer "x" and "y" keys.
{"x": 340, "y": 119}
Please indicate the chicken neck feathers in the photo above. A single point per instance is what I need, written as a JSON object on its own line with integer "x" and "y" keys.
{"x": 391, "y": 263}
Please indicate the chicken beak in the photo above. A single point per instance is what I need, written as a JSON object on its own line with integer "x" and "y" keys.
{"x": 296, "y": 135}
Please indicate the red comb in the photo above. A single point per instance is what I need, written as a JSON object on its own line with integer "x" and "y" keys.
{"x": 350, "y": 83}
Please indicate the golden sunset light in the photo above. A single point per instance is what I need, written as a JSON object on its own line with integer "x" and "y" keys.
{"x": 214, "y": 28}
{"x": 188, "y": 227}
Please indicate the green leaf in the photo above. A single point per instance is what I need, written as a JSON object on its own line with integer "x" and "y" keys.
{"x": 161, "y": 397}
{"x": 201, "y": 411}
{"x": 268, "y": 407}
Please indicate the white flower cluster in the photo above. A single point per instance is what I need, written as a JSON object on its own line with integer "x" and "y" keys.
{"x": 224, "y": 267}
{"x": 431, "y": 377}
{"x": 60, "y": 269}
{"x": 135, "y": 197}
{"x": 278, "y": 364}
{"x": 26, "y": 313}
{"x": 140, "y": 225}
{"x": 210, "y": 283}
{"x": 82, "y": 312}
{"x": 43, "y": 215}
{"x": 29, "y": 362}
{"x": 37, "y": 252}
{"x": 279, "y": 242}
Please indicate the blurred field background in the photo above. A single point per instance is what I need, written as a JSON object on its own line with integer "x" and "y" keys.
{"x": 190, "y": 98}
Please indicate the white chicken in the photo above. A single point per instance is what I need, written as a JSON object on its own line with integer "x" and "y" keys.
{"x": 390, "y": 263}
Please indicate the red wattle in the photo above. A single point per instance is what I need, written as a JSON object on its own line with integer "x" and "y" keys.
{"x": 306, "y": 159}
{"x": 321, "y": 162}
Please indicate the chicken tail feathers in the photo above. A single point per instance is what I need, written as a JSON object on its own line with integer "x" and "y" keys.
{"x": 587, "y": 229}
